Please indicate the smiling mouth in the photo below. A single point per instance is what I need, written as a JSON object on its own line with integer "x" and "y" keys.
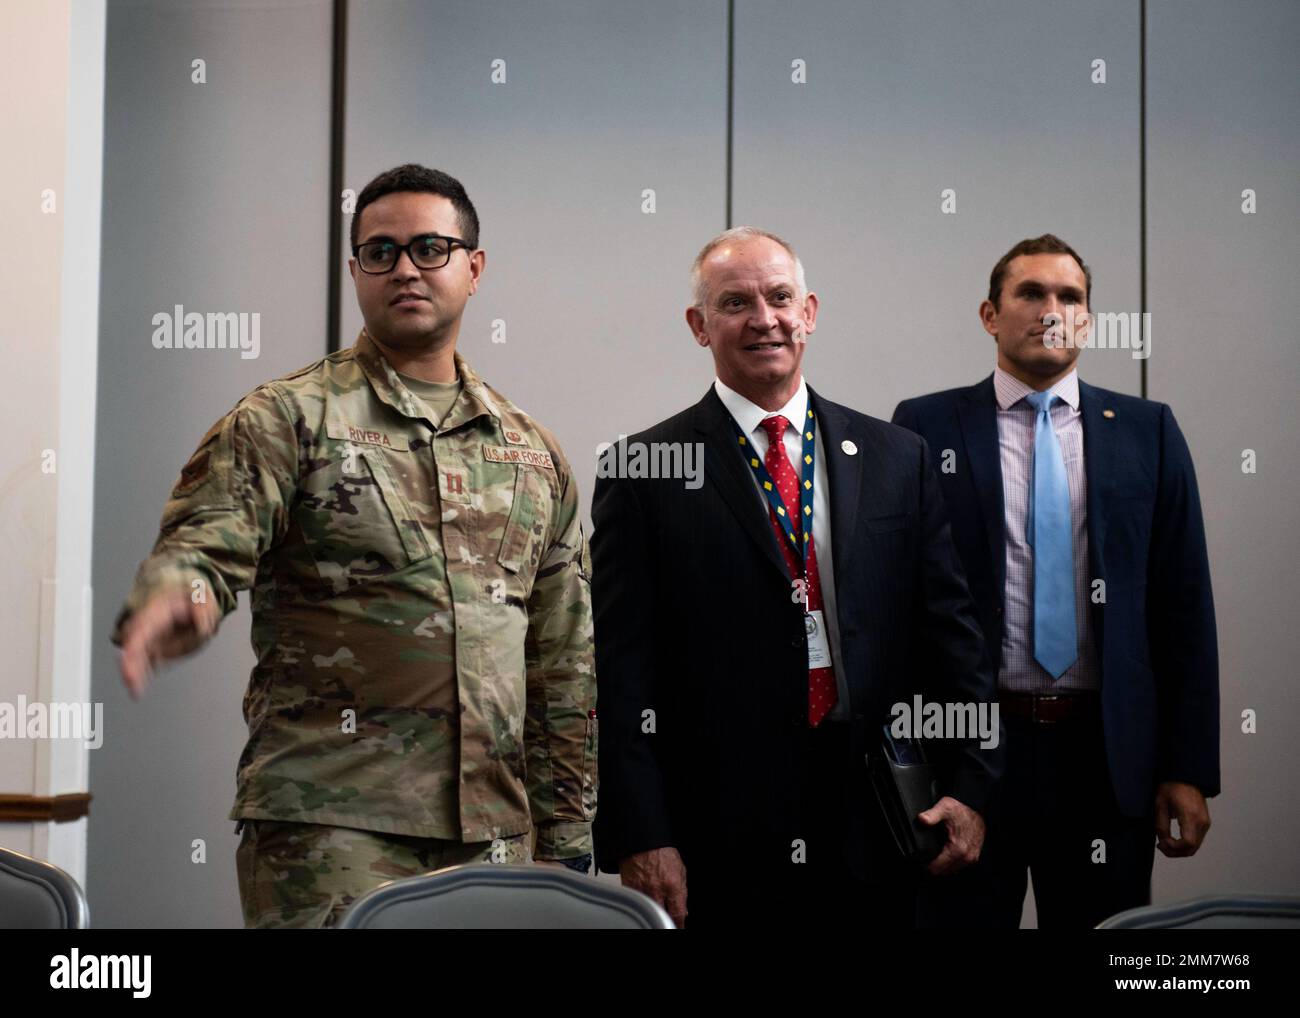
{"x": 764, "y": 346}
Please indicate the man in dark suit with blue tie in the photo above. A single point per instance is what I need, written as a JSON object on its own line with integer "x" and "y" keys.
{"x": 1076, "y": 514}
{"x": 757, "y": 618}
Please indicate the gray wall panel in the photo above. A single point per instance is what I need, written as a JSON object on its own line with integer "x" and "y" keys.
{"x": 600, "y": 102}
{"x": 1222, "y": 98}
{"x": 214, "y": 198}
{"x": 903, "y": 100}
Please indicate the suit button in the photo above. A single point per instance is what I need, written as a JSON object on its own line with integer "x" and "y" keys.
{"x": 797, "y": 641}
{"x": 797, "y": 719}
{"x": 998, "y": 609}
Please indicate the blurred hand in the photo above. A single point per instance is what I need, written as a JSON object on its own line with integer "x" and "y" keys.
{"x": 1178, "y": 799}
{"x": 659, "y": 874}
{"x": 169, "y": 625}
{"x": 965, "y": 835}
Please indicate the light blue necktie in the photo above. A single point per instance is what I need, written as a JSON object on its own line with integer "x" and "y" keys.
{"x": 1050, "y": 534}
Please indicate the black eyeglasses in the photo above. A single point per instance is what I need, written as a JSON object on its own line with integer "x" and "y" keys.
{"x": 428, "y": 251}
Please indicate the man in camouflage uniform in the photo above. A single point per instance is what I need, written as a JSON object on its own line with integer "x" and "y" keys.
{"x": 424, "y": 690}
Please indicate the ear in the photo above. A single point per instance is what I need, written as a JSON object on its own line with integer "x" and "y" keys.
{"x": 989, "y": 318}
{"x": 477, "y": 263}
{"x": 352, "y": 268}
{"x": 695, "y": 319}
{"x": 810, "y": 305}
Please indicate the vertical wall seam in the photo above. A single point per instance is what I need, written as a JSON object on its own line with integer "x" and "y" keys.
{"x": 338, "y": 86}
{"x": 1142, "y": 180}
{"x": 731, "y": 100}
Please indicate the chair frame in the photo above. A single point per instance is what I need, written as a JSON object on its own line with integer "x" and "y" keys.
{"x": 631, "y": 904}
{"x": 60, "y": 885}
{"x": 1151, "y": 917}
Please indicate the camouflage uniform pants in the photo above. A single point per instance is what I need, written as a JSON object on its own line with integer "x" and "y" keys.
{"x": 306, "y": 875}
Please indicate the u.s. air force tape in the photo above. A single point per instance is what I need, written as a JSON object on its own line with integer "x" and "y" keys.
{"x": 517, "y": 454}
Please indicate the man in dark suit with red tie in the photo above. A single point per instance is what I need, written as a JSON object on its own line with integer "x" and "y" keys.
{"x": 1077, "y": 517}
{"x": 755, "y": 627}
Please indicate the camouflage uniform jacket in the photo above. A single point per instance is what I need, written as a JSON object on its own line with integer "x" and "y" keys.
{"x": 420, "y": 600}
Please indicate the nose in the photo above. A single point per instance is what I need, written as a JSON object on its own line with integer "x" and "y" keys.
{"x": 1052, "y": 313}
{"x": 404, "y": 268}
{"x": 763, "y": 318}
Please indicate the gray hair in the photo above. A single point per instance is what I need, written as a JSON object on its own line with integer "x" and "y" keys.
{"x": 699, "y": 293}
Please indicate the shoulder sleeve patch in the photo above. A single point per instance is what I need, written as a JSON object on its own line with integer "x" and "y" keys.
{"x": 196, "y": 470}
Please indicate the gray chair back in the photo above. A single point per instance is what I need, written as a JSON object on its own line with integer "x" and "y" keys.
{"x": 1229, "y": 912}
{"x": 490, "y": 896}
{"x": 36, "y": 895}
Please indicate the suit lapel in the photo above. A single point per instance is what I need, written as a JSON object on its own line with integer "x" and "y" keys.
{"x": 725, "y": 467}
{"x": 844, "y": 474}
{"x": 977, "y": 412}
{"x": 1099, "y": 441}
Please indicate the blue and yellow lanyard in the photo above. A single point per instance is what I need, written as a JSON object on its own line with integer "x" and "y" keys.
{"x": 774, "y": 496}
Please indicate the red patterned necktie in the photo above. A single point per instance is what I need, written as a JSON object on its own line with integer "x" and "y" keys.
{"x": 822, "y": 695}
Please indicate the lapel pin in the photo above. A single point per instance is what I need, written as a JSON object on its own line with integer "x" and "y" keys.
{"x": 1108, "y": 413}
{"x": 849, "y": 447}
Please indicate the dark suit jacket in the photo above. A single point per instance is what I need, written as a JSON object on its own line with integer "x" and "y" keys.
{"x": 694, "y": 621}
{"x": 1155, "y": 632}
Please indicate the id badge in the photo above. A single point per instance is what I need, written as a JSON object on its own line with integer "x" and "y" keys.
{"x": 819, "y": 644}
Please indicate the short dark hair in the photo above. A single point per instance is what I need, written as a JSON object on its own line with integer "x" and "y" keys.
{"x": 1048, "y": 243}
{"x": 414, "y": 177}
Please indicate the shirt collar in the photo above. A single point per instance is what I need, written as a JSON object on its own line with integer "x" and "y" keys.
{"x": 474, "y": 401}
{"x": 1011, "y": 390}
{"x": 749, "y": 415}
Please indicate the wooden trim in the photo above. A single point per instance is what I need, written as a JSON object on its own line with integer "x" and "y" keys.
{"x": 34, "y": 808}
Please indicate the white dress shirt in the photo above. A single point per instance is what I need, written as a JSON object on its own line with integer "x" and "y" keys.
{"x": 749, "y": 416}
{"x": 1016, "y": 418}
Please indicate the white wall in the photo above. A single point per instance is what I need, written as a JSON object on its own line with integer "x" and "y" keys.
{"x": 51, "y": 94}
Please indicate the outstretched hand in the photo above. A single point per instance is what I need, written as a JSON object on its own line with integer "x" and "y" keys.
{"x": 170, "y": 625}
